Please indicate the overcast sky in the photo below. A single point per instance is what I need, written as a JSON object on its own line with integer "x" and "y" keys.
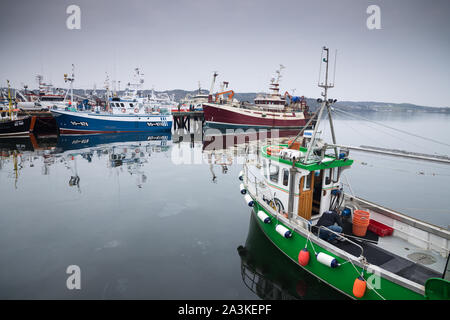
{"x": 178, "y": 43}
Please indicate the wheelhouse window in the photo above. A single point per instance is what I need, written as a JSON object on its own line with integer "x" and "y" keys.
{"x": 335, "y": 175}
{"x": 274, "y": 171}
{"x": 327, "y": 173}
{"x": 285, "y": 177}
{"x": 307, "y": 184}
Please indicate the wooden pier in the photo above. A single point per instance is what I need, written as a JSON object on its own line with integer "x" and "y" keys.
{"x": 182, "y": 119}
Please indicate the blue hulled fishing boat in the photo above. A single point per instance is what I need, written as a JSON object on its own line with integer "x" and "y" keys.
{"x": 73, "y": 122}
{"x": 130, "y": 113}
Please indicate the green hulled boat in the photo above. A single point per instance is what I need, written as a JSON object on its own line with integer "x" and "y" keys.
{"x": 271, "y": 276}
{"x": 381, "y": 253}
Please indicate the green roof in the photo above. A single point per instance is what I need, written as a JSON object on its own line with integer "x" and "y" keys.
{"x": 312, "y": 166}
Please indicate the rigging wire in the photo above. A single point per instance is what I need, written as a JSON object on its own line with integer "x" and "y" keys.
{"x": 392, "y": 128}
{"x": 388, "y": 158}
{"x": 387, "y": 133}
{"x": 363, "y": 134}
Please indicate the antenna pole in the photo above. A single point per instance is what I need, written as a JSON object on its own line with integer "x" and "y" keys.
{"x": 325, "y": 103}
{"x": 9, "y": 101}
{"x": 212, "y": 86}
{"x": 328, "y": 103}
{"x": 71, "y": 82}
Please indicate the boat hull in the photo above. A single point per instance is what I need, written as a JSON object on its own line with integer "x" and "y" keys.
{"x": 75, "y": 142}
{"x": 341, "y": 278}
{"x": 70, "y": 122}
{"x": 224, "y": 116}
{"x": 18, "y": 127}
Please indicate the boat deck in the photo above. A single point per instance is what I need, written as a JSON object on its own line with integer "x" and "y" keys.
{"x": 402, "y": 259}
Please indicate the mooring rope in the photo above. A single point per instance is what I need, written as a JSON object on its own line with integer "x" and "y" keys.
{"x": 308, "y": 239}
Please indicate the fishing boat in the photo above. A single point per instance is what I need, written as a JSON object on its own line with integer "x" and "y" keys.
{"x": 129, "y": 113}
{"x": 73, "y": 122}
{"x": 152, "y": 103}
{"x": 290, "y": 186}
{"x": 47, "y": 97}
{"x": 161, "y": 100}
{"x": 193, "y": 102}
{"x": 13, "y": 125}
{"x": 268, "y": 111}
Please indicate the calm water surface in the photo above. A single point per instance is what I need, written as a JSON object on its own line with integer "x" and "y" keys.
{"x": 161, "y": 217}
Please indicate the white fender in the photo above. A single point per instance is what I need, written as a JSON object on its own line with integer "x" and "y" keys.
{"x": 242, "y": 188}
{"x": 285, "y": 232}
{"x": 263, "y": 217}
{"x": 249, "y": 200}
{"x": 327, "y": 260}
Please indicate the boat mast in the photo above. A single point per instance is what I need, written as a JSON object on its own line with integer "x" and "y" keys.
{"x": 9, "y": 101}
{"x": 108, "y": 107}
{"x": 325, "y": 103}
{"x": 212, "y": 86}
{"x": 71, "y": 82}
{"x": 71, "y": 79}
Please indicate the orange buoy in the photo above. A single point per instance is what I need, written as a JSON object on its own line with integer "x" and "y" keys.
{"x": 123, "y": 110}
{"x": 295, "y": 145}
{"x": 303, "y": 257}
{"x": 359, "y": 287}
{"x": 273, "y": 150}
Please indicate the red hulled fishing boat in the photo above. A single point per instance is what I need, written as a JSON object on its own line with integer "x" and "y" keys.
{"x": 268, "y": 110}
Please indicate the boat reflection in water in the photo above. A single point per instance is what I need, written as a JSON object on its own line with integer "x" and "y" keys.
{"x": 223, "y": 147}
{"x": 124, "y": 150}
{"x": 272, "y": 276}
{"x": 16, "y": 153}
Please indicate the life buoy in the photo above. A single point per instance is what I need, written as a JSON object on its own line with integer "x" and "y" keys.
{"x": 273, "y": 150}
{"x": 136, "y": 110}
{"x": 123, "y": 110}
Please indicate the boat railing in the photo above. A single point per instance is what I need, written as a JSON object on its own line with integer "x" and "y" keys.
{"x": 417, "y": 232}
{"x": 361, "y": 255}
{"x": 285, "y": 109}
{"x": 256, "y": 180}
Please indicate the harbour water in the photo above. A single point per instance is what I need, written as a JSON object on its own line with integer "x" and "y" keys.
{"x": 160, "y": 217}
